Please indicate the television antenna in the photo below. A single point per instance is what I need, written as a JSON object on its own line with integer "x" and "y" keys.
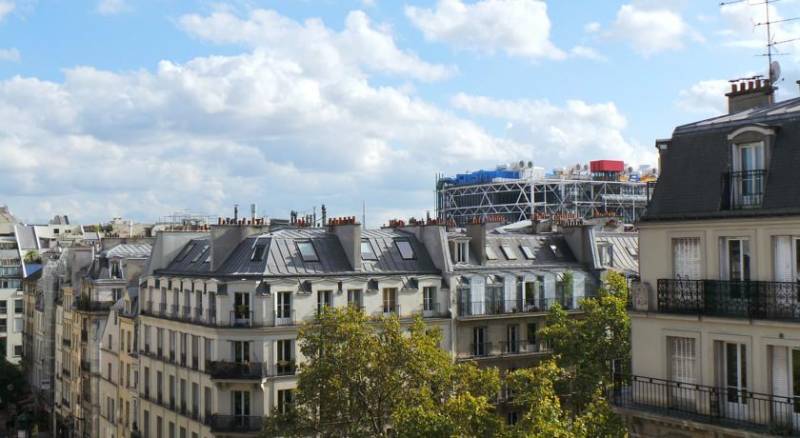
{"x": 774, "y": 67}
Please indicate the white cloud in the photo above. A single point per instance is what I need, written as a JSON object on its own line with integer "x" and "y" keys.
{"x": 314, "y": 45}
{"x": 10, "y": 55}
{"x": 112, "y": 7}
{"x": 516, "y": 27}
{"x": 650, "y": 28}
{"x": 574, "y": 133}
{"x": 6, "y": 7}
{"x": 705, "y": 97}
{"x": 275, "y": 126}
{"x": 587, "y": 53}
{"x": 592, "y": 27}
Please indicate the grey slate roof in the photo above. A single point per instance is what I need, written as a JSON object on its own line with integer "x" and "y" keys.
{"x": 283, "y": 256}
{"x": 690, "y": 184}
{"x": 540, "y": 244}
{"x": 129, "y": 251}
{"x": 625, "y": 251}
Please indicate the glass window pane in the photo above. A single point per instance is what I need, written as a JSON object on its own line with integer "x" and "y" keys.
{"x": 406, "y": 251}
{"x": 366, "y": 251}
{"x": 307, "y": 251}
{"x": 509, "y": 252}
{"x": 490, "y": 254}
{"x": 526, "y": 250}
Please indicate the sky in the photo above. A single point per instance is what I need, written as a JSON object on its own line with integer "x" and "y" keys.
{"x": 140, "y": 109}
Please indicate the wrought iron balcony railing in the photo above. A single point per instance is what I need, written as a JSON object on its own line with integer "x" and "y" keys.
{"x": 738, "y": 299}
{"x": 504, "y": 307}
{"x": 235, "y": 423}
{"x": 727, "y": 407}
{"x": 742, "y": 190}
{"x": 235, "y": 371}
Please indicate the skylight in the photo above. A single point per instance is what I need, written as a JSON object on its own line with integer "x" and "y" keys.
{"x": 509, "y": 252}
{"x": 406, "y": 251}
{"x": 367, "y": 253}
{"x": 200, "y": 254}
{"x": 307, "y": 251}
{"x": 185, "y": 252}
{"x": 258, "y": 252}
{"x": 528, "y": 252}
{"x": 490, "y": 254}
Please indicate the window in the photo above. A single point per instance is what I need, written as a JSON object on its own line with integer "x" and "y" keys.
{"x": 285, "y": 399}
{"x": 686, "y": 259}
{"x": 512, "y": 338}
{"x": 682, "y": 359}
{"x": 735, "y": 372}
{"x": 406, "y": 251}
{"x": 285, "y": 365}
{"x": 479, "y": 346}
{"x": 527, "y": 252}
{"x": 307, "y": 251}
{"x": 17, "y": 306}
{"x": 532, "y": 331}
{"x": 241, "y": 301}
{"x": 390, "y": 301}
{"x": 284, "y": 305}
{"x": 508, "y": 252}
{"x": 207, "y": 401}
{"x": 737, "y": 263}
{"x": 461, "y": 252}
{"x": 18, "y": 350}
{"x": 490, "y": 254}
{"x": 241, "y": 403}
{"x": 3, "y": 307}
{"x": 355, "y": 298}
{"x": 182, "y": 256}
{"x": 512, "y": 418}
{"x": 18, "y": 323}
{"x": 241, "y": 351}
{"x": 258, "y": 252}
{"x": 367, "y": 252}
{"x": 429, "y": 299}
{"x": 200, "y": 254}
{"x": 324, "y": 300}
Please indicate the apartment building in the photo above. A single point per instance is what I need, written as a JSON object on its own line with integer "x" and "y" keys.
{"x": 81, "y": 322}
{"x": 715, "y": 333}
{"x": 11, "y": 296}
{"x": 119, "y": 368}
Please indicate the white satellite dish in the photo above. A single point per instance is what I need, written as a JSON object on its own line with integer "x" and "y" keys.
{"x": 774, "y": 72}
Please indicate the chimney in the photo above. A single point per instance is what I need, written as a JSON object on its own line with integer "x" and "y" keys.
{"x": 225, "y": 238}
{"x": 348, "y": 231}
{"x": 750, "y": 93}
{"x": 476, "y": 231}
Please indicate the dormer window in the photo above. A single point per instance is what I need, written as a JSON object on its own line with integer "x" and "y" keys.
{"x": 509, "y": 252}
{"x": 490, "y": 254}
{"x": 405, "y": 248}
{"x": 526, "y": 250}
{"x": 116, "y": 271}
{"x": 258, "y": 252}
{"x": 461, "y": 251}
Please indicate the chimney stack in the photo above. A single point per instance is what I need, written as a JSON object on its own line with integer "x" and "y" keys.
{"x": 348, "y": 231}
{"x": 746, "y": 94}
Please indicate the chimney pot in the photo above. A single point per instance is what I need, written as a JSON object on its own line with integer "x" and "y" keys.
{"x": 734, "y": 88}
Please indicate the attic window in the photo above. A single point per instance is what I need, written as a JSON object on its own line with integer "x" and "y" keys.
{"x": 490, "y": 254}
{"x": 367, "y": 253}
{"x": 307, "y": 251}
{"x": 528, "y": 252}
{"x": 201, "y": 254}
{"x": 509, "y": 252}
{"x": 406, "y": 251}
{"x": 258, "y": 252}
{"x": 185, "y": 252}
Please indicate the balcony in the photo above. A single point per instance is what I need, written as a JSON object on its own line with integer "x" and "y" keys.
{"x": 221, "y": 370}
{"x": 285, "y": 368}
{"x": 391, "y": 310}
{"x": 522, "y": 347}
{"x": 506, "y": 307}
{"x": 482, "y": 349}
{"x": 735, "y": 299}
{"x": 432, "y": 310}
{"x": 736, "y": 409}
{"x": 242, "y": 318}
{"x": 235, "y": 423}
{"x": 284, "y": 318}
{"x": 743, "y": 190}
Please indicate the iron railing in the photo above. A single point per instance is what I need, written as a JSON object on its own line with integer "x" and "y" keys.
{"x": 235, "y": 423}
{"x": 770, "y": 300}
{"x": 480, "y": 349}
{"x": 504, "y": 307}
{"x": 522, "y": 347}
{"x": 741, "y": 190}
{"x": 727, "y": 407}
{"x": 235, "y": 370}
{"x": 391, "y": 309}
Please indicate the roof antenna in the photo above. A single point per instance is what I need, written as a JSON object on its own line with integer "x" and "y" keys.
{"x": 364, "y": 215}
{"x": 773, "y": 67}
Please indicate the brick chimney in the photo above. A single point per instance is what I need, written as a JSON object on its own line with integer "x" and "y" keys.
{"x": 750, "y": 93}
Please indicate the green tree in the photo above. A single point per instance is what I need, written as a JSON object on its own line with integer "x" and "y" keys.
{"x": 544, "y": 416}
{"x": 587, "y": 346}
{"x": 12, "y": 383}
{"x": 361, "y": 376}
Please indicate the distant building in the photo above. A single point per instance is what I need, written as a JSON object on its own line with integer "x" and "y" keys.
{"x": 716, "y": 322}
{"x": 11, "y": 296}
{"x": 521, "y": 191}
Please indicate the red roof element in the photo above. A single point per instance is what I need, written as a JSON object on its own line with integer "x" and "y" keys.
{"x": 607, "y": 166}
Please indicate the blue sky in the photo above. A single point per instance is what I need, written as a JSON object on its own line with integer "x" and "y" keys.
{"x": 143, "y": 108}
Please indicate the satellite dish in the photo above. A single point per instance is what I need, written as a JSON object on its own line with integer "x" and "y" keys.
{"x": 774, "y": 72}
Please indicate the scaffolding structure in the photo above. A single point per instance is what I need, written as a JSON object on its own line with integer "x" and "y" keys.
{"x": 522, "y": 199}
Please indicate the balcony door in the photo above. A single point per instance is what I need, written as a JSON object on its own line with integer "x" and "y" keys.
{"x": 241, "y": 305}
{"x": 750, "y": 165}
{"x": 283, "y": 308}
{"x": 786, "y": 273}
{"x": 732, "y": 371}
{"x": 241, "y": 352}
{"x": 686, "y": 259}
{"x": 683, "y": 372}
{"x": 734, "y": 295}
{"x": 241, "y": 406}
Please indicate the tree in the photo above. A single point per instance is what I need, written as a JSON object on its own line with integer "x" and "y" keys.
{"x": 12, "y": 383}
{"x": 361, "y": 376}
{"x": 543, "y": 415}
{"x": 587, "y": 346}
